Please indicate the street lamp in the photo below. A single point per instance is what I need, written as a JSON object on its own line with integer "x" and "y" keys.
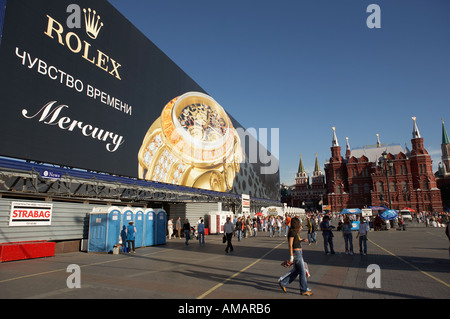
{"x": 405, "y": 194}
{"x": 387, "y": 164}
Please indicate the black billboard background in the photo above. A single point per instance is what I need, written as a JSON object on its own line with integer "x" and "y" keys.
{"x": 149, "y": 79}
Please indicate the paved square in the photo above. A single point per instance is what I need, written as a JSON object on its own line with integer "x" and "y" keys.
{"x": 413, "y": 264}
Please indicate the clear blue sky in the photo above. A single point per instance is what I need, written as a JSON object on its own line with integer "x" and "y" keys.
{"x": 304, "y": 66}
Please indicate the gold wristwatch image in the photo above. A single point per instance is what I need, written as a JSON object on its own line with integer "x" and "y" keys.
{"x": 193, "y": 143}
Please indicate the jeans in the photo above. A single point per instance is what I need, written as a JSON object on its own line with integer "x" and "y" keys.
{"x": 363, "y": 240}
{"x": 312, "y": 237}
{"x": 187, "y": 236}
{"x": 298, "y": 270}
{"x": 328, "y": 240}
{"x": 201, "y": 237}
{"x": 239, "y": 234}
{"x": 348, "y": 238}
{"x": 131, "y": 243}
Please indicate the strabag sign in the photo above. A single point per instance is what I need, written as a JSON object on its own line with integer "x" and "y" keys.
{"x": 30, "y": 214}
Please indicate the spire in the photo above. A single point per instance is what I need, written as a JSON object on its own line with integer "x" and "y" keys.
{"x": 301, "y": 168}
{"x": 348, "y": 152}
{"x": 445, "y": 147}
{"x": 416, "y": 133}
{"x": 445, "y": 139}
{"x": 317, "y": 166}
{"x": 335, "y": 140}
{"x": 378, "y": 140}
{"x": 417, "y": 141}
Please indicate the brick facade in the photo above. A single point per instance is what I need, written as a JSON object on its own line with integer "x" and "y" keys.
{"x": 304, "y": 193}
{"x": 364, "y": 179}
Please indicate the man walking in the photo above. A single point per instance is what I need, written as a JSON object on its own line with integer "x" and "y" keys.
{"x": 228, "y": 229}
{"x": 178, "y": 227}
{"x": 201, "y": 232}
{"x": 327, "y": 234}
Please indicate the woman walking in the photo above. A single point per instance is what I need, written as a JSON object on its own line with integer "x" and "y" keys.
{"x": 296, "y": 257}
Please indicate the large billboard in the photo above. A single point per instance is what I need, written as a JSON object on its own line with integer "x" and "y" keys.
{"x": 80, "y": 86}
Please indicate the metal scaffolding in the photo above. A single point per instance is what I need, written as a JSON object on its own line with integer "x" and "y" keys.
{"x": 20, "y": 178}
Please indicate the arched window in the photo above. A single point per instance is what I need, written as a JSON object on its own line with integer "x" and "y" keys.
{"x": 404, "y": 186}
{"x": 393, "y": 187}
{"x": 380, "y": 188}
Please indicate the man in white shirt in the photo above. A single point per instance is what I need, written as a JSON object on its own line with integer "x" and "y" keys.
{"x": 228, "y": 229}
{"x": 272, "y": 226}
{"x": 170, "y": 227}
{"x": 362, "y": 234}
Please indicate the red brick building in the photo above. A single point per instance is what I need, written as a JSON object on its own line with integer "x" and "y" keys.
{"x": 306, "y": 194}
{"x": 382, "y": 175}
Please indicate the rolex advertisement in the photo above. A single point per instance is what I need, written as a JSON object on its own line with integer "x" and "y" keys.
{"x": 81, "y": 87}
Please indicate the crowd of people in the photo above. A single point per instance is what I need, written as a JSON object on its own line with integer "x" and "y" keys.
{"x": 249, "y": 227}
{"x": 187, "y": 230}
{"x": 278, "y": 226}
{"x": 291, "y": 227}
{"x": 315, "y": 223}
{"x": 432, "y": 219}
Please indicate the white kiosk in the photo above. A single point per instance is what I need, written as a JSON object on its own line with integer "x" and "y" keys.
{"x": 217, "y": 220}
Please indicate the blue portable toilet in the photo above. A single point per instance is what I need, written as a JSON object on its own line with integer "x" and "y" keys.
{"x": 161, "y": 222}
{"x": 114, "y": 222}
{"x": 150, "y": 227}
{"x": 98, "y": 225}
{"x": 139, "y": 224}
{"x": 104, "y": 229}
{"x": 127, "y": 216}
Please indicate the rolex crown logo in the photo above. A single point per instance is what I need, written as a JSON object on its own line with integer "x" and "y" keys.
{"x": 93, "y": 24}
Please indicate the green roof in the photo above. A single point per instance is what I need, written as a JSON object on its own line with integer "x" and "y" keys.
{"x": 301, "y": 168}
{"x": 317, "y": 166}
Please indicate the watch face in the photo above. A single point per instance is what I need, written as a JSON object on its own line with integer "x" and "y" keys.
{"x": 193, "y": 143}
{"x": 202, "y": 122}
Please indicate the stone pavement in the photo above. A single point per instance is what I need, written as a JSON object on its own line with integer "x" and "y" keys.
{"x": 413, "y": 264}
